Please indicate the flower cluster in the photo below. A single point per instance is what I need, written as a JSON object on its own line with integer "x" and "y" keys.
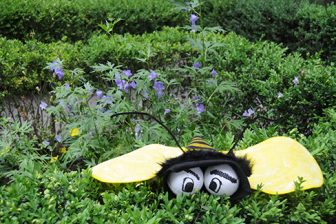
{"x": 125, "y": 85}
{"x": 56, "y": 68}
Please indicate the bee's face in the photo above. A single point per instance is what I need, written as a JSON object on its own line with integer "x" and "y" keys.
{"x": 217, "y": 180}
{"x": 210, "y": 171}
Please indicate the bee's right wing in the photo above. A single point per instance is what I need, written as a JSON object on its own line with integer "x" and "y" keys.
{"x": 138, "y": 165}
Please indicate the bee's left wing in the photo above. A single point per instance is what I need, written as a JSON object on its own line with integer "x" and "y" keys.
{"x": 138, "y": 165}
{"x": 278, "y": 162}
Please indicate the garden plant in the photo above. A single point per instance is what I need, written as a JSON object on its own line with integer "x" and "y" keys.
{"x": 63, "y": 75}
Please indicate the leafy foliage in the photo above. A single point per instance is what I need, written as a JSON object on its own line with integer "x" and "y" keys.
{"x": 79, "y": 19}
{"x": 195, "y": 79}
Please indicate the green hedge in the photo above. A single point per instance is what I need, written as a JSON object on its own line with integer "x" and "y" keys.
{"x": 22, "y": 65}
{"x": 74, "y": 20}
{"x": 298, "y": 25}
{"x": 260, "y": 70}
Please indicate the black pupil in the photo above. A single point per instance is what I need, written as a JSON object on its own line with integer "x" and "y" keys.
{"x": 215, "y": 185}
{"x": 188, "y": 185}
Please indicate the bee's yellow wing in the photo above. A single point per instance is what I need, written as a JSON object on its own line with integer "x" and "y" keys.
{"x": 277, "y": 164}
{"x": 139, "y": 165}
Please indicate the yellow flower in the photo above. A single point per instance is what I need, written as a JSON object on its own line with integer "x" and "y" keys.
{"x": 63, "y": 150}
{"x": 74, "y": 132}
{"x": 53, "y": 159}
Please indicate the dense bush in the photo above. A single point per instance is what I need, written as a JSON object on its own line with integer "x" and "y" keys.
{"x": 49, "y": 193}
{"x": 298, "y": 25}
{"x": 261, "y": 71}
{"x": 197, "y": 83}
{"x": 74, "y": 20}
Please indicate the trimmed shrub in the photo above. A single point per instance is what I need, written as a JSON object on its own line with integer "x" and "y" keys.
{"x": 298, "y": 25}
{"x": 74, "y": 20}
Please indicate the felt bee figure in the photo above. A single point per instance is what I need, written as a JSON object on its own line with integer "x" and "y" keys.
{"x": 202, "y": 168}
{"x": 275, "y": 163}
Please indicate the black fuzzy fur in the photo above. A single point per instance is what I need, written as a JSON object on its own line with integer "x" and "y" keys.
{"x": 204, "y": 155}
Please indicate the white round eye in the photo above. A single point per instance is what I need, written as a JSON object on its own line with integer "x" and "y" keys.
{"x": 221, "y": 179}
{"x": 186, "y": 181}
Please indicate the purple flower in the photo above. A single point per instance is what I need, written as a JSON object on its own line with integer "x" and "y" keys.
{"x": 133, "y": 84}
{"x": 152, "y": 75}
{"x": 280, "y": 94}
{"x": 159, "y": 87}
{"x": 130, "y": 85}
{"x": 54, "y": 65}
{"x": 99, "y": 94}
{"x": 200, "y": 107}
{"x": 296, "y": 81}
{"x": 59, "y": 72}
{"x": 56, "y": 68}
{"x": 193, "y": 19}
{"x": 43, "y": 105}
{"x": 167, "y": 111}
{"x": 196, "y": 98}
{"x": 197, "y": 65}
{"x": 121, "y": 84}
{"x": 128, "y": 73}
{"x": 58, "y": 138}
{"x": 248, "y": 113}
{"x": 213, "y": 73}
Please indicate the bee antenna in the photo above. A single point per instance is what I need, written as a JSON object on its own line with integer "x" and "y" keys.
{"x": 155, "y": 119}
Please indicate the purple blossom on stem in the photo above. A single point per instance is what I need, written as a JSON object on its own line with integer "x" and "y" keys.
{"x": 128, "y": 73}
{"x": 59, "y": 73}
{"x": 193, "y": 19}
{"x": 121, "y": 84}
{"x": 248, "y": 113}
{"x": 129, "y": 85}
{"x": 296, "y": 81}
{"x": 43, "y": 105}
{"x": 56, "y": 68}
{"x": 58, "y": 138}
{"x": 167, "y": 111}
{"x": 159, "y": 87}
{"x": 197, "y": 65}
{"x": 152, "y": 75}
{"x": 54, "y": 65}
{"x": 213, "y": 73}
{"x": 200, "y": 107}
{"x": 99, "y": 94}
{"x": 133, "y": 85}
{"x": 196, "y": 98}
